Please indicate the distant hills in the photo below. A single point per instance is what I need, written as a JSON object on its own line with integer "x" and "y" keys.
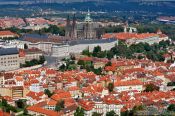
{"x": 152, "y": 6}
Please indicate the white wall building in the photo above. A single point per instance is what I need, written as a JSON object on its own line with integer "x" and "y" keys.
{"x": 80, "y": 45}
{"x": 130, "y": 85}
{"x": 9, "y": 59}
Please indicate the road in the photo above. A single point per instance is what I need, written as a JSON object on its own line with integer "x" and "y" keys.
{"x": 52, "y": 62}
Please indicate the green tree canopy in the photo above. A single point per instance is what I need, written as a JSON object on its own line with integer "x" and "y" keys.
{"x": 96, "y": 51}
{"x": 151, "y": 87}
{"x": 111, "y": 113}
{"x": 171, "y": 107}
{"x": 110, "y": 87}
{"x": 48, "y": 92}
{"x": 21, "y": 103}
{"x": 59, "y": 105}
{"x": 86, "y": 52}
{"x": 79, "y": 112}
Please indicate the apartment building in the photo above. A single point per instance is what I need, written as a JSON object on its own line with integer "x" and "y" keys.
{"x": 9, "y": 59}
{"x": 30, "y": 54}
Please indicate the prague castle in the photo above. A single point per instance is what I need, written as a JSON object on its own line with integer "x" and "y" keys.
{"x": 82, "y": 30}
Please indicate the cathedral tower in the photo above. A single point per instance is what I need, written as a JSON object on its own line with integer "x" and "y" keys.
{"x": 74, "y": 28}
{"x": 68, "y": 27}
{"x": 88, "y": 27}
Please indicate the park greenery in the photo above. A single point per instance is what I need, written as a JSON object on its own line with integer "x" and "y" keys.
{"x": 153, "y": 52}
{"x": 33, "y": 62}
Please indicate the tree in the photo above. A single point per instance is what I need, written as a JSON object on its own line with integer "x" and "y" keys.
{"x": 110, "y": 55}
{"x": 136, "y": 109}
{"x": 151, "y": 87}
{"x": 81, "y": 62}
{"x": 62, "y": 67}
{"x": 125, "y": 113}
{"x": 171, "y": 107}
{"x": 72, "y": 57}
{"x": 59, "y": 105}
{"x": 54, "y": 30}
{"x": 4, "y": 102}
{"x": 171, "y": 84}
{"x": 147, "y": 47}
{"x": 97, "y": 71}
{"x": 115, "y": 29}
{"x": 108, "y": 64}
{"x": 86, "y": 52}
{"x": 48, "y": 92}
{"x": 20, "y": 103}
{"x": 41, "y": 59}
{"x": 101, "y": 54}
{"x": 79, "y": 112}
{"x": 110, "y": 87}
{"x": 34, "y": 62}
{"x": 25, "y": 46}
{"x": 25, "y": 112}
{"x": 6, "y": 107}
{"x": 111, "y": 113}
{"x": 72, "y": 67}
{"x": 96, "y": 51}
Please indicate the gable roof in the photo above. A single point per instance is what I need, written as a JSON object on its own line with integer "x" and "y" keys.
{"x": 43, "y": 111}
{"x": 8, "y": 51}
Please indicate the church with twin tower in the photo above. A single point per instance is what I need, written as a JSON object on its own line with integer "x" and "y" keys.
{"x": 81, "y": 30}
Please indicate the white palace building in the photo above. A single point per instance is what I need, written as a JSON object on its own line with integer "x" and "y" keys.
{"x": 77, "y": 46}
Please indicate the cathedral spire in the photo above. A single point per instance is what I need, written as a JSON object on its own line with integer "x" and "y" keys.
{"x": 68, "y": 20}
{"x": 74, "y": 20}
{"x": 88, "y": 17}
{"x": 73, "y": 31}
{"x": 68, "y": 27}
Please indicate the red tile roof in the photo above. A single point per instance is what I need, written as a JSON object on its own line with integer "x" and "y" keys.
{"x": 7, "y": 33}
{"x": 110, "y": 99}
{"x": 52, "y": 102}
{"x": 125, "y": 36}
{"x": 19, "y": 78}
{"x": 128, "y": 83}
{"x": 86, "y": 105}
{"x": 4, "y": 113}
{"x": 43, "y": 111}
{"x": 60, "y": 96}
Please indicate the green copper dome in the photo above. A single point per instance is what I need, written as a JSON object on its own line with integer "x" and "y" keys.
{"x": 88, "y": 17}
